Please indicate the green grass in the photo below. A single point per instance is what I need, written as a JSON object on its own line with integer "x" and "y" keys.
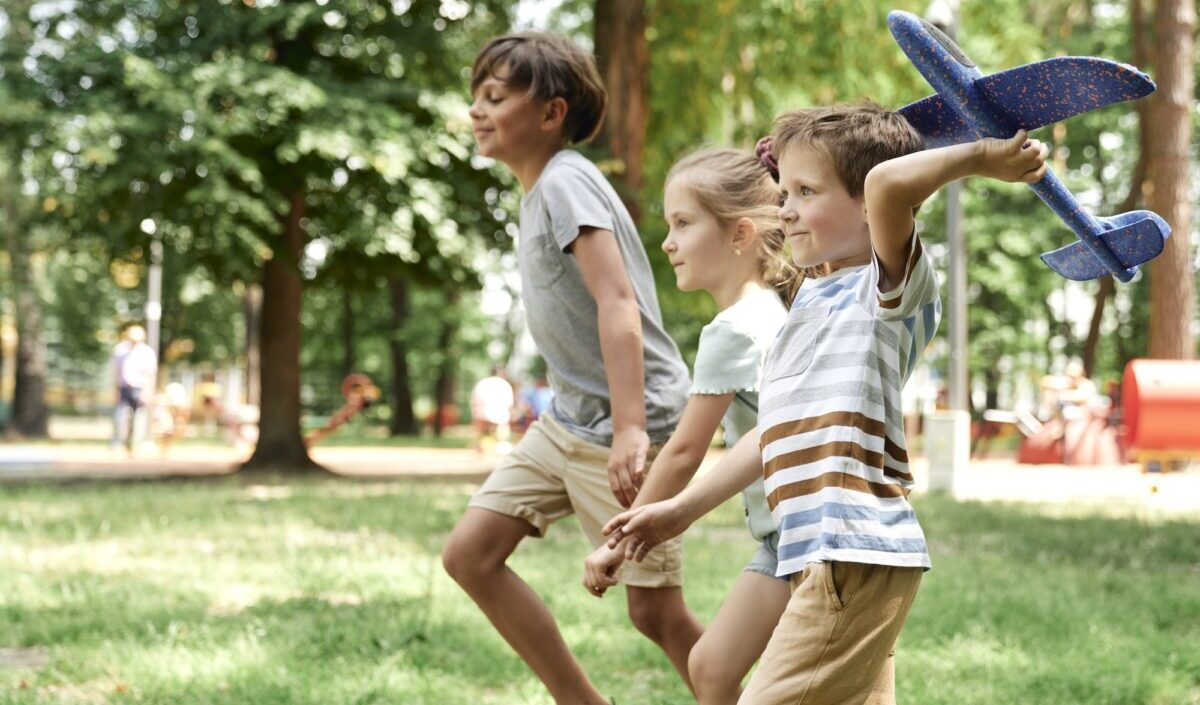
{"x": 330, "y": 592}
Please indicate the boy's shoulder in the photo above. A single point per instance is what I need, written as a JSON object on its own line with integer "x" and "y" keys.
{"x": 570, "y": 164}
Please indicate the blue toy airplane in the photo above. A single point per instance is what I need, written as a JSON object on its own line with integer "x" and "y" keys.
{"x": 969, "y": 106}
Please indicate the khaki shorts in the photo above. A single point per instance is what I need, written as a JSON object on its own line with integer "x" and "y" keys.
{"x": 551, "y": 474}
{"x": 835, "y": 643}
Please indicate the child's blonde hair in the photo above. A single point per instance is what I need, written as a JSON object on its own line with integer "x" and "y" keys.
{"x": 732, "y": 184}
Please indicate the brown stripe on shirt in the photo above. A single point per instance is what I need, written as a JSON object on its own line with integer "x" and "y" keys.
{"x": 854, "y": 419}
{"x": 833, "y": 479}
{"x": 839, "y": 449}
{"x": 895, "y": 451}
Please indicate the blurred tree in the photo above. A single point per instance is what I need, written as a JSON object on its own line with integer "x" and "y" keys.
{"x": 1168, "y": 181}
{"x": 247, "y": 131}
{"x": 29, "y": 415}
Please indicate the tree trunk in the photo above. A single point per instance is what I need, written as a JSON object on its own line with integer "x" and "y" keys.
{"x": 252, "y": 305}
{"x": 280, "y": 446}
{"x": 1107, "y": 288}
{"x": 443, "y": 389}
{"x": 1172, "y": 281}
{"x": 29, "y": 415}
{"x": 404, "y": 421}
{"x": 623, "y": 57}
{"x": 348, "y": 360}
{"x": 1092, "y": 343}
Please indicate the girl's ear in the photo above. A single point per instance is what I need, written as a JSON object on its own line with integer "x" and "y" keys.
{"x": 745, "y": 233}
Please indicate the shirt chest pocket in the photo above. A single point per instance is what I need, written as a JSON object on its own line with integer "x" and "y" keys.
{"x": 792, "y": 352}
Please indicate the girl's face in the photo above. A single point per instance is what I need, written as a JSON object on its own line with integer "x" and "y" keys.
{"x": 699, "y": 248}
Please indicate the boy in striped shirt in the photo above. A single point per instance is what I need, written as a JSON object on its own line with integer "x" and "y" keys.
{"x": 830, "y": 439}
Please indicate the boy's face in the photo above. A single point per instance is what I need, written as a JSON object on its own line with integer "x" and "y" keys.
{"x": 820, "y": 219}
{"x": 505, "y": 120}
{"x": 696, "y": 245}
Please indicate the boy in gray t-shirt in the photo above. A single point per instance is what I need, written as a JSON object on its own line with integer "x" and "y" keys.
{"x": 618, "y": 379}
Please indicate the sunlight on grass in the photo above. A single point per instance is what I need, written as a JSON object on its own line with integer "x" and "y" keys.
{"x": 326, "y": 591}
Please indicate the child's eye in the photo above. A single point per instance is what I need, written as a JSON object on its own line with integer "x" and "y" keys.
{"x": 681, "y": 223}
{"x": 805, "y": 191}
{"x": 783, "y": 196}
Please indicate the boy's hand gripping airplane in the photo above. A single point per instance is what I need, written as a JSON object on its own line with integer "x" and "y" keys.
{"x": 969, "y": 106}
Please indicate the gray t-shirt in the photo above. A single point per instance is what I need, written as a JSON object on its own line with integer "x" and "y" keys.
{"x": 730, "y": 358}
{"x": 571, "y": 194}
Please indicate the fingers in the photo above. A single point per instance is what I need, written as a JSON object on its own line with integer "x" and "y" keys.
{"x": 1019, "y": 140}
{"x": 1036, "y": 163}
{"x": 639, "y": 467}
{"x": 615, "y": 528}
{"x": 622, "y": 485}
{"x": 1035, "y": 175}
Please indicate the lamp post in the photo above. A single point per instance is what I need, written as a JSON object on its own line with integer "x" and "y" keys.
{"x": 949, "y": 432}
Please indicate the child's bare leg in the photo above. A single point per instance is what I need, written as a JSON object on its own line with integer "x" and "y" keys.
{"x": 736, "y": 638}
{"x": 475, "y": 556}
{"x": 661, "y": 615}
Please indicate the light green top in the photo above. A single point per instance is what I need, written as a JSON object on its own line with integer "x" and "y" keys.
{"x": 730, "y": 357}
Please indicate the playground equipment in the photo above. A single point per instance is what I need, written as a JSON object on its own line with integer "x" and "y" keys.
{"x": 1160, "y": 402}
{"x": 968, "y": 106}
{"x": 359, "y": 393}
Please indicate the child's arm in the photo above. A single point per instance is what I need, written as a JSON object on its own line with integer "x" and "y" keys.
{"x": 893, "y": 189}
{"x": 679, "y": 459}
{"x": 649, "y": 525}
{"x": 620, "y": 324}
{"x": 672, "y": 470}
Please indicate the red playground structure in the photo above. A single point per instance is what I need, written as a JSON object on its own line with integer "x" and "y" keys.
{"x": 1155, "y": 423}
{"x": 1160, "y": 402}
{"x": 359, "y": 392}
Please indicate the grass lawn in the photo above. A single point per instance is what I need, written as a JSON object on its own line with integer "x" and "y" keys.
{"x": 331, "y": 592}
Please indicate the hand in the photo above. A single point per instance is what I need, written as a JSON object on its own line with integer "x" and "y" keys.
{"x": 1015, "y": 159}
{"x": 642, "y": 528}
{"x": 600, "y": 568}
{"x": 627, "y": 463}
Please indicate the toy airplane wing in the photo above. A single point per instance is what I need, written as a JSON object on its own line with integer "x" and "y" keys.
{"x": 1053, "y": 90}
{"x": 938, "y": 123}
{"x": 1032, "y": 96}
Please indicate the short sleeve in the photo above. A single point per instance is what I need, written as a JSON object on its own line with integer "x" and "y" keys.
{"x": 727, "y": 360}
{"x": 918, "y": 289}
{"x": 574, "y": 200}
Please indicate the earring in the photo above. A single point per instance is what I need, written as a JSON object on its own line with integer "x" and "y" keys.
{"x": 737, "y": 252}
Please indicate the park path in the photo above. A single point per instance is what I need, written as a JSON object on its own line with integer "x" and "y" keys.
{"x": 1122, "y": 486}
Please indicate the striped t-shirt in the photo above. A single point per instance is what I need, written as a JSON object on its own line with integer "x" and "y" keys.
{"x": 830, "y": 419}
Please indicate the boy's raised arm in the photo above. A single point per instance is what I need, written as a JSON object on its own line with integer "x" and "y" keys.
{"x": 620, "y": 324}
{"x": 893, "y": 189}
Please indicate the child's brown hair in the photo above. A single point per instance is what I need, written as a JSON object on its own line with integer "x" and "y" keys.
{"x": 549, "y": 67}
{"x": 732, "y": 184}
{"x": 854, "y": 137}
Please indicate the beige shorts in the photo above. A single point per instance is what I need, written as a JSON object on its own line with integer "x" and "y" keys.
{"x": 835, "y": 643}
{"x": 551, "y": 474}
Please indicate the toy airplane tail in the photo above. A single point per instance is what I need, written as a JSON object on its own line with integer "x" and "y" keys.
{"x": 1125, "y": 241}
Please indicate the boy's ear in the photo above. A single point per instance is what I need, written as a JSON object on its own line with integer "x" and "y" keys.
{"x": 745, "y": 232}
{"x": 554, "y": 113}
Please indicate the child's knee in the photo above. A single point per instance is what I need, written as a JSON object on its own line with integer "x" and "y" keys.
{"x": 462, "y": 558}
{"x": 653, "y": 613}
{"x": 709, "y": 673}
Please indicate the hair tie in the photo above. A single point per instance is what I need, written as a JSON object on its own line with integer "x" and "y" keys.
{"x": 763, "y": 151}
